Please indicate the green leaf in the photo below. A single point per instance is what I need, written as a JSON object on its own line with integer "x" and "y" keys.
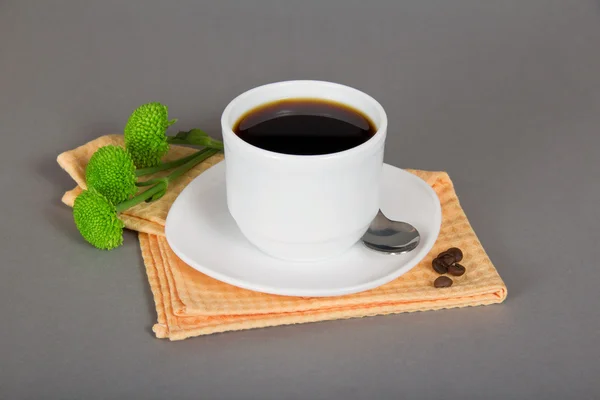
{"x": 192, "y": 135}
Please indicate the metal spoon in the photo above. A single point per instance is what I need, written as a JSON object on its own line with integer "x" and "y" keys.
{"x": 391, "y": 237}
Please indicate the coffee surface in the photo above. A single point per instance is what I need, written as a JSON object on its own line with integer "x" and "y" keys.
{"x": 304, "y": 127}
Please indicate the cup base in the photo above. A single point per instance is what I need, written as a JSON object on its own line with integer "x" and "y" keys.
{"x": 304, "y": 252}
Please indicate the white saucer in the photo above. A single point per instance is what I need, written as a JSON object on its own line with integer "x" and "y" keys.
{"x": 202, "y": 233}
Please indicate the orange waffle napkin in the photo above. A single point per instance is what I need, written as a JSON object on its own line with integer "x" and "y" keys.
{"x": 189, "y": 303}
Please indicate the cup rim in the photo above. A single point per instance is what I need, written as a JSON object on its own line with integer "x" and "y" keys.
{"x": 371, "y": 142}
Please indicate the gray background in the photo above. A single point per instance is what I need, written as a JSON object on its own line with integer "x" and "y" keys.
{"x": 504, "y": 95}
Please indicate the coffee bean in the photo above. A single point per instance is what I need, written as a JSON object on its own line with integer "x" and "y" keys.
{"x": 439, "y": 266}
{"x": 456, "y": 253}
{"x": 442, "y": 282}
{"x": 456, "y": 269}
{"x": 442, "y": 254}
{"x": 447, "y": 259}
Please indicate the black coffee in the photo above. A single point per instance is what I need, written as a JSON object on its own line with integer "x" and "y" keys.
{"x": 304, "y": 127}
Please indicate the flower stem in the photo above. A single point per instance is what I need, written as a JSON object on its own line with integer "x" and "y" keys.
{"x": 161, "y": 184}
{"x": 167, "y": 165}
{"x": 134, "y": 201}
{"x": 194, "y": 159}
{"x": 208, "y": 142}
{"x": 191, "y": 164}
{"x": 195, "y": 137}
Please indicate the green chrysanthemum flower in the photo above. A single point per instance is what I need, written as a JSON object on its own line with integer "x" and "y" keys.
{"x": 145, "y": 134}
{"x": 111, "y": 173}
{"x": 97, "y": 221}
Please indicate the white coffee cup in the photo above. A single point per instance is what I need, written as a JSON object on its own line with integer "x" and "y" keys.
{"x": 297, "y": 207}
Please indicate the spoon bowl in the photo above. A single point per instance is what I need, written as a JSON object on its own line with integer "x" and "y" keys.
{"x": 391, "y": 237}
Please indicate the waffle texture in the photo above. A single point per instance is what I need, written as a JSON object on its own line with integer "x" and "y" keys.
{"x": 189, "y": 303}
